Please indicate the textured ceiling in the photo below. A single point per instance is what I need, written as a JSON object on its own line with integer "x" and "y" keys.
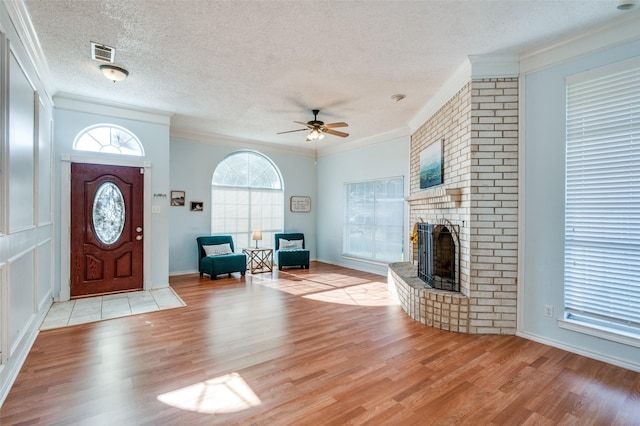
{"x": 248, "y": 69}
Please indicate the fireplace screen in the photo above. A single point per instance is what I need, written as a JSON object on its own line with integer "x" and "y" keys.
{"x": 437, "y": 257}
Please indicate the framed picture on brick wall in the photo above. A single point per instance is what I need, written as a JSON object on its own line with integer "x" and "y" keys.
{"x": 432, "y": 165}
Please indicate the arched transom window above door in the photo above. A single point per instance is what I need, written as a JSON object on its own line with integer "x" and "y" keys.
{"x": 108, "y": 139}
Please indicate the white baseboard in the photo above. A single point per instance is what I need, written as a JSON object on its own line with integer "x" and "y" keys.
{"x": 10, "y": 370}
{"x": 633, "y": 366}
{"x": 176, "y": 273}
{"x": 358, "y": 265}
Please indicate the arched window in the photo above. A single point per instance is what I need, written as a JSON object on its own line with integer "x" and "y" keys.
{"x": 108, "y": 139}
{"x": 247, "y": 195}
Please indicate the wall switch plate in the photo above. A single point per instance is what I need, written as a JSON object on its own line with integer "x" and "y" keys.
{"x": 155, "y": 209}
{"x": 548, "y": 311}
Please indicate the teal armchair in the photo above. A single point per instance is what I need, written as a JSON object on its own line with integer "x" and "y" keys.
{"x": 292, "y": 252}
{"x": 216, "y": 256}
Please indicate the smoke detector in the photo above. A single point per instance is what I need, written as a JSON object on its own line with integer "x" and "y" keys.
{"x": 102, "y": 53}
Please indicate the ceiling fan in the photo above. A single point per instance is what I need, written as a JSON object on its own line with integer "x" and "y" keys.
{"x": 318, "y": 128}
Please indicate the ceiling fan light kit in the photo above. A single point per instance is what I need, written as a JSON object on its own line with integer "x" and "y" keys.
{"x": 314, "y": 134}
{"x": 317, "y": 129}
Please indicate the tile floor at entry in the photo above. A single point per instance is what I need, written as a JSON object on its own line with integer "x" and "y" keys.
{"x": 98, "y": 308}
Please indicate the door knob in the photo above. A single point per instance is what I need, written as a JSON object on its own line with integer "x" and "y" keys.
{"x": 138, "y": 237}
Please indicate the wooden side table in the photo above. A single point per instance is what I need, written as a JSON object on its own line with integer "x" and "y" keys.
{"x": 259, "y": 259}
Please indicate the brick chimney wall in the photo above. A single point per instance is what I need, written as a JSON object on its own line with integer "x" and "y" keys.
{"x": 479, "y": 127}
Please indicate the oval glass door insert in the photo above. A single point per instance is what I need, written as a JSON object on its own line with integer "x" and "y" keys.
{"x": 108, "y": 213}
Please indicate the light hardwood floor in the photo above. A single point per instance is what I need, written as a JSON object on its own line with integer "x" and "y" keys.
{"x": 305, "y": 347}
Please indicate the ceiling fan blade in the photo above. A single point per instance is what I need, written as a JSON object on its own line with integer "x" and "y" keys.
{"x": 318, "y": 127}
{"x": 291, "y": 131}
{"x": 333, "y": 125}
{"x": 336, "y": 133}
{"x": 309, "y": 126}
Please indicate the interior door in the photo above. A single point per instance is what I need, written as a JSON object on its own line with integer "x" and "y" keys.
{"x": 106, "y": 229}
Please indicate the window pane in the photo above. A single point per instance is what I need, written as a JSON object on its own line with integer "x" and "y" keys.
{"x": 602, "y": 199}
{"x": 374, "y": 220}
{"x": 108, "y": 139}
{"x": 108, "y": 213}
{"x": 248, "y": 189}
{"x": 247, "y": 169}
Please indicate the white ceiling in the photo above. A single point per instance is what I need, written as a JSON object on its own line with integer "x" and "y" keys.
{"x": 248, "y": 69}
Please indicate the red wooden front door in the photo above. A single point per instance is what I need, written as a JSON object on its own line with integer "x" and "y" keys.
{"x": 106, "y": 229}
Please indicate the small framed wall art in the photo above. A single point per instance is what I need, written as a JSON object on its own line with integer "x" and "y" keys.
{"x": 300, "y": 204}
{"x": 432, "y": 165}
{"x": 177, "y": 198}
{"x": 197, "y": 206}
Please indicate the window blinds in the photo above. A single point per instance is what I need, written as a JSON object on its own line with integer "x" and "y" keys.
{"x": 374, "y": 220}
{"x": 602, "y": 204}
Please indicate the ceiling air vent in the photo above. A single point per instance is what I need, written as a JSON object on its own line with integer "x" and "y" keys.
{"x": 102, "y": 53}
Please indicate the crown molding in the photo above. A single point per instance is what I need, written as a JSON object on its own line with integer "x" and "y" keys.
{"x": 218, "y": 139}
{"x": 73, "y": 102}
{"x": 21, "y": 20}
{"x": 494, "y": 66}
{"x": 474, "y": 67}
{"x": 399, "y": 133}
{"x": 614, "y": 33}
{"x": 620, "y": 31}
{"x": 320, "y": 151}
{"x": 446, "y": 92}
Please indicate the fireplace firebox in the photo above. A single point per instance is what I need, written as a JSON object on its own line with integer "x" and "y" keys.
{"x": 437, "y": 257}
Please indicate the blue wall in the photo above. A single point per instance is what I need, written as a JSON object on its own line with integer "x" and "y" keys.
{"x": 542, "y": 207}
{"x": 192, "y": 167}
{"x": 382, "y": 160}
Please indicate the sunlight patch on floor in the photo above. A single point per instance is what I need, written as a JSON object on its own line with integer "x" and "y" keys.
{"x": 333, "y": 288}
{"x": 297, "y": 287}
{"x": 370, "y": 294}
{"x": 224, "y": 394}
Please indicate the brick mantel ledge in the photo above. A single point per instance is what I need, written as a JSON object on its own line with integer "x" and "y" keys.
{"x": 440, "y": 197}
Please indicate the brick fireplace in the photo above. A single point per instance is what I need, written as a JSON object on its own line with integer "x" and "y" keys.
{"x": 479, "y": 197}
{"x": 438, "y": 256}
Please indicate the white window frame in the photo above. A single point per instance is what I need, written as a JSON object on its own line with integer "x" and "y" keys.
{"x": 107, "y": 144}
{"x": 367, "y": 220}
{"x": 257, "y": 217}
{"x": 602, "y": 193}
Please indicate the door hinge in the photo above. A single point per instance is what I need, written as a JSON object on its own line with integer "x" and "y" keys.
{"x": 141, "y": 170}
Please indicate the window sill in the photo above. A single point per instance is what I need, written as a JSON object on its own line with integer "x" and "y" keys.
{"x": 611, "y": 334}
{"x": 361, "y": 259}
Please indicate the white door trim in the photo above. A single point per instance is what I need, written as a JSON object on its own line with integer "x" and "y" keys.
{"x": 65, "y": 215}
